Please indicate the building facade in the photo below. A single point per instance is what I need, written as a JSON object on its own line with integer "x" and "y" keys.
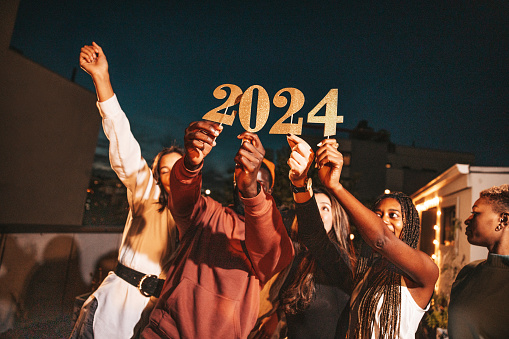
{"x": 444, "y": 204}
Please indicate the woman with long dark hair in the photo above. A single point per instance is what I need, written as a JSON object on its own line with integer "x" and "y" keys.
{"x": 394, "y": 281}
{"x": 317, "y": 291}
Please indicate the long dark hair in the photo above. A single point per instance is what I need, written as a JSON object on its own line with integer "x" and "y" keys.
{"x": 384, "y": 279}
{"x": 156, "y": 172}
{"x": 298, "y": 294}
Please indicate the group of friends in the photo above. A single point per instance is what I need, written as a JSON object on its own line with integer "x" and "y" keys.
{"x": 189, "y": 267}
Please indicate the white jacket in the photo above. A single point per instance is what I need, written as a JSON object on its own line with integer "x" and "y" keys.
{"x": 148, "y": 240}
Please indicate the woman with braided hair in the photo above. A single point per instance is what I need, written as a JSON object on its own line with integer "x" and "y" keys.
{"x": 394, "y": 281}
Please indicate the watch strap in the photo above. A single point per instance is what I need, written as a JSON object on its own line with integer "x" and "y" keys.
{"x": 305, "y": 188}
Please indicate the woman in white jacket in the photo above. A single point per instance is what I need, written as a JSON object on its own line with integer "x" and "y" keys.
{"x": 120, "y": 307}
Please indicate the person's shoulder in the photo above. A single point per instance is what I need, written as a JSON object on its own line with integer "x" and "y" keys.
{"x": 472, "y": 265}
{"x": 467, "y": 270}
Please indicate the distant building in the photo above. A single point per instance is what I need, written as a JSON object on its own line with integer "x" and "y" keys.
{"x": 444, "y": 204}
{"x": 373, "y": 164}
{"x": 106, "y": 202}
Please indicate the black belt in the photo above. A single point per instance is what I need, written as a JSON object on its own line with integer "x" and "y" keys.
{"x": 148, "y": 284}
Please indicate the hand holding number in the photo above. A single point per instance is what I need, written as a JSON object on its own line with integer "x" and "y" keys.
{"x": 300, "y": 159}
{"x": 199, "y": 139}
{"x": 329, "y": 162}
{"x": 247, "y": 164}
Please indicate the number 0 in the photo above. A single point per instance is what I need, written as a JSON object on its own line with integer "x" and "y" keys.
{"x": 262, "y": 108}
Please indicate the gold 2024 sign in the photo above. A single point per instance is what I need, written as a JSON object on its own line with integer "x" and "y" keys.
{"x": 330, "y": 101}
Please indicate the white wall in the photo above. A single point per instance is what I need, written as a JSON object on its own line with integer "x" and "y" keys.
{"x": 460, "y": 186}
{"x": 41, "y": 274}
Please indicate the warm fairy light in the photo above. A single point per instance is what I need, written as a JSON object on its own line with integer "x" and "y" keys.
{"x": 436, "y": 228}
{"x": 352, "y": 236}
{"x": 428, "y": 204}
{"x": 207, "y": 192}
{"x": 434, "y": 256}
{"x": 435, "y": 242}
{"x": 387, "y": 191}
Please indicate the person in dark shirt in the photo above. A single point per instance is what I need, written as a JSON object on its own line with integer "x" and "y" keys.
{"x": 479, "y": 306}
{"x": 314, "y": 298}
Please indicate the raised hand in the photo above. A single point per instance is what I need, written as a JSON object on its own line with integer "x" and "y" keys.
{"x": 248, "y": 161}
{"x": 329, "y": 162}
{"x": 300, "y": 159}
{"x": 199, "y": 138}
{"x": 93, "y": 60}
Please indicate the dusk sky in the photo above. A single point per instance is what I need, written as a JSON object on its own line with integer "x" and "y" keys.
{"x": 434, "y": 73}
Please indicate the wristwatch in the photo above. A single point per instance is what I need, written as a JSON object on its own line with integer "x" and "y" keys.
{"x": 307, "y": 186}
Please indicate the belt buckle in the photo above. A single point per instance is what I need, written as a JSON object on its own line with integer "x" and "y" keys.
{"x": 140, "y": 284}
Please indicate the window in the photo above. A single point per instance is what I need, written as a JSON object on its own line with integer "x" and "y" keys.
{"x": 428, "y": 220}
{"x": 448, "y": 224}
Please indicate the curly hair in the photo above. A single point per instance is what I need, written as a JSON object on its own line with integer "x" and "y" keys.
{"x": 383, "y": 279}
{"x": 498, "y": 196}
{"x": 156, "y": 172}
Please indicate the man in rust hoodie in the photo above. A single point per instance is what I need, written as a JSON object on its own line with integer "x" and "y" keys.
{"x": 213, "y": 284}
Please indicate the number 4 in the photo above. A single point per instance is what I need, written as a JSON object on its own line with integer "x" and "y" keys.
{"x": 331, "y": 117}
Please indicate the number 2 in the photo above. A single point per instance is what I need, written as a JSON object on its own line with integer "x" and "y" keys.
{"x": 219, "y": 93}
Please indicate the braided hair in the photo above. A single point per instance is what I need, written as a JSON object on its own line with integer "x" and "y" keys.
{"x": 384, "y": 280}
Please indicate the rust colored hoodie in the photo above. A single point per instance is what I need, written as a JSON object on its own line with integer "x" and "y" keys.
{"x": 213, "y": 284}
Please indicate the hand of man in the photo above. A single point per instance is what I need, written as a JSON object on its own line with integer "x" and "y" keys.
{"x": 199, "y": 139}
{"x": 248, "y": 161}
{"x": 300, "y": 159}
{"x": 330, "y": 163}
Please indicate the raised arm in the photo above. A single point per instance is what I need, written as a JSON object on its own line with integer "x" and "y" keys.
{"x": 124, "y": 151}
{"x": 267, "y": 242}
{"x": 327, "y": 254}
{"x": 416, "y": 265}
{"x": 300, "y": 161}
{"x": 185, "y": 178}
{"x": 93, "y": 61}
{"x": 311, "y": 229}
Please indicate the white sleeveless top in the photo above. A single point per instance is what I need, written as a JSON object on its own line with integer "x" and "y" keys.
{"x": 411, "y": 313}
